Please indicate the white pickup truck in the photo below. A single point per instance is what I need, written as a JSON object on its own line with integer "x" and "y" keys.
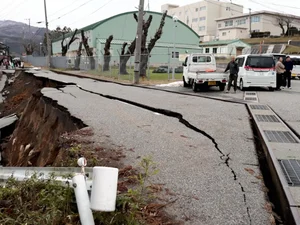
{"x": 199, "y": 71}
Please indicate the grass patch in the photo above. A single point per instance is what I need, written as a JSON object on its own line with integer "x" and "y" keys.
{"x": 114, "y": 73}
{"x": 36, "y": 201}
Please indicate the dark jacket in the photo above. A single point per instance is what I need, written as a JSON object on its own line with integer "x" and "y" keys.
{"x": 232, "y": 67}
{"x": 288, "y": 66}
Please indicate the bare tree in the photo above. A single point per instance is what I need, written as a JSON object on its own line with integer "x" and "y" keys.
{"x": 107, "y": 53}
{"x": 146, "y": 51}
{"x": 281, "y": 23}
{"x": 65, "y": 47}
{"x": 125, "y": 55}
{"x": 88, "y": 50}
{"x": 288, "y": 22}
{"x": 78, "y": 57}
{"x": 30, "y": 47}
{"x": 285, "y": 23}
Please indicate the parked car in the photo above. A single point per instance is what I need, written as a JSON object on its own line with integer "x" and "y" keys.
{"x": 161, "y": 69}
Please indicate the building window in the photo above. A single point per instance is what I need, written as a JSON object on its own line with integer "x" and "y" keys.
{"x": 202, "y": 8}
{"x": 186, "y": 12}
{"x": 227, "y": 8}
{"x": 219, "y": 25}
{"x": 228, "y": 23}
{"x": 196, "y": 9}
{"x": 176, "y": 55}
{"x": 224, "y": 34}
{"x": 241, "y": 21}
{"x": 206, "y": 50}
{"x": 202, "y": 18}
{"x": 255, "y": 31}
{"x": 215, "y": 50}
{"x": 202, "y": 28}
{"x": 255, "y": 19}
{"x": 194, "y": 20}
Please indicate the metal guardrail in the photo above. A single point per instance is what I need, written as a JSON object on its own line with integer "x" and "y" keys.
{"x": 60, "y": 174}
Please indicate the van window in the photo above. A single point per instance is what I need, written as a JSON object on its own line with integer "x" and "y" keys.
{"x": 201, "y": 59}
{"x": 260, "y": 61}
{"x": 240, "y": 61}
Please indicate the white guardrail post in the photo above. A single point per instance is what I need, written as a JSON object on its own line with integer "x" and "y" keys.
{"x": 103, "y": 185}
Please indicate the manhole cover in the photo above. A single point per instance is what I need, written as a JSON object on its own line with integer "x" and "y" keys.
{"x": 280, "y": 136}
{"x": 259, "y": 107}
{"x": 267, "y": 118}
{"x": 250, "y": 99}
{"x": 291, "y": 170}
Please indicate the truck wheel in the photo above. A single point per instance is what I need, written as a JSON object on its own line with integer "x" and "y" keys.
{"x": 194, "y": 86}
{"x": 222, "y": 87}
{"x": 242, "y": 85}
{"x": 185, "y": 84}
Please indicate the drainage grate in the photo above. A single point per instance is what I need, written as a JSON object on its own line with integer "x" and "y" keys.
{"x": 280, "y": 136}
{"x": 259, "y": 107}
{"x": 250, "y": 93}
{"x": 251, "y": 99}
{"x": 291, "y": 170}
{"x": 267, "y": 118}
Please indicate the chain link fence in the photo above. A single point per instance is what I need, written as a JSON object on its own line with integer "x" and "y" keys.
{"x": 152, "y": 66}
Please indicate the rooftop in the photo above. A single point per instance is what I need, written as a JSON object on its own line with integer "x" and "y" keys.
{"x": 259, "y": 13}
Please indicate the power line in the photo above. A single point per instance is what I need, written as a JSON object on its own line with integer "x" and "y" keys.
{"x": 14, "y": 7}
{"x": 92, "y": 12}
{"x": 71, "y": 11}
{"x": 67, "y": 6}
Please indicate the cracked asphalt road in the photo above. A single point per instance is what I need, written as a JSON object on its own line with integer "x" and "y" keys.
{"x": 212, "y": 186}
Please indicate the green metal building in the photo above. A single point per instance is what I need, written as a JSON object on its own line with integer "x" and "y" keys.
{"x": 123, "y": 28}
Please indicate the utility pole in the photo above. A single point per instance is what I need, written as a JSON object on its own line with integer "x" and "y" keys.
{"x": 48, "y": 37}
{"x": 250, "y": 28}
{"x": 138, "y": 47}
{"x": 29, "y": 25}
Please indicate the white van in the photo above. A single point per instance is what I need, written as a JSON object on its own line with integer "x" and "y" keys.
{"x": 256, "y": 71}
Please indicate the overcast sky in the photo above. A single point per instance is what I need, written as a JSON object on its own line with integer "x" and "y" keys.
{"x": 79, "y": 13}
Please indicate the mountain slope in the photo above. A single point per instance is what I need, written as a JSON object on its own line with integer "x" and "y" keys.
{"x": 15, "y": 34}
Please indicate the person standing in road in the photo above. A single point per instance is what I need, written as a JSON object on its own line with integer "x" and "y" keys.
{"x": 280, "y": 69}
{"x": 289, "y": 65}
{"x": 233, "y": 74}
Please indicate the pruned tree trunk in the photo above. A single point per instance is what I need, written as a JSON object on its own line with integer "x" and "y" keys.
{"x": 146, "y": 51}
{"x": 124, "y": 57}
{"x": 88, "y": 50}
{"x": 65, "y": 48}
{"x": 78, "y": 57}
{"x": 107, "y": 53}
{"x": 144, "y": 64}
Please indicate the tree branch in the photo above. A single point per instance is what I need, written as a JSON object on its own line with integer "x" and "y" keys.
{"x": 107, "y": 45}
{"x": 135, "y": 17}
{"x": 123, "y": 48}
{"x": 146, "y": 26}
{"x": 158, "y": 33}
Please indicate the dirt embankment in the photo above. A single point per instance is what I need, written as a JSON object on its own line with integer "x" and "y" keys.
{"x": 46, "y": 134}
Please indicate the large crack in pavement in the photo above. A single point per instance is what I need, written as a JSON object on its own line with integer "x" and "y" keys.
{"x": 224, "y": 157}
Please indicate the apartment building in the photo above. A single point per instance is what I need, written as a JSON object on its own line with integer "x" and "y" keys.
{"x": 201, "y": 16}
{"x": 238, "y": 26}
